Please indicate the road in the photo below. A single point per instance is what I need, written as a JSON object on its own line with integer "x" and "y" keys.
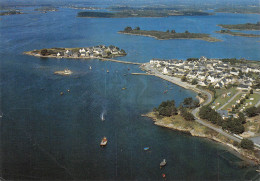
{"x": 231, "y": 99}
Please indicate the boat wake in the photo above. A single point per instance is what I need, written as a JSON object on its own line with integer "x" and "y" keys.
{"x": 102, "y": 115}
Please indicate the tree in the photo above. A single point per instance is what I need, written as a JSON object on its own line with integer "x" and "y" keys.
{"x": 44, "y": 52}
{"x": 186, "y": 115}
{"x": 187, "y": 31}
{"x": 242, "y": 118}
{"x": 196, "y": 103}
{"x": 167, "y": 108}
{"x": 247, "y": 144}
{"x": 128, "y": 29}
{"x": 251, "y": 111}
{"x": 173, "y": 31}
{"x": 187, "y": 101}
{"x": 194, "y": 82}
{"x": 183, "y": 78}
{"x": 137, "y": 28}
{"x": 167, "y": 31}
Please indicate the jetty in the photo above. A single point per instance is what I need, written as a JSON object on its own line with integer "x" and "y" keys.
{"x": 141, "y": 74}
{"x": 119, "y": 61}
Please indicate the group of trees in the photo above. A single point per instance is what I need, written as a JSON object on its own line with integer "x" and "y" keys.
{"x": 186, "y": 114}
{"x": 44, "y": 52}
{"x": 190, "y": 103}
{"x": 167, "y": 108}
{"x": 129, "y": 28}
{"x": 211, "y": 115}
{"x": 234, "y": 125}
{"x": 247, "y": 144}
{"x": 252, "y": 111}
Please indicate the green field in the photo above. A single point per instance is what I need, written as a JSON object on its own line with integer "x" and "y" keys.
{"x": 247, "y": 104}
{"x": 229, "y": 105}
{"x": 220, "y": 100}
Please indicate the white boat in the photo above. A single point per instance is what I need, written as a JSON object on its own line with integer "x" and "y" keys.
{"x": 102, "y": 116}
{"x": 103, "y": 142}
{"x": 67, "y": 72}
{"x": 163, "y": 163}
{"x": 90, "y": 67}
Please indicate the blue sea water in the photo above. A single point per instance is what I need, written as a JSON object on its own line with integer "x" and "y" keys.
{"x": 48, "y": 136}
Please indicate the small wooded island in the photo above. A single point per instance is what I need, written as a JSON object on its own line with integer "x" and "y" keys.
{"x": 11, "y": 12}
{"x": 160, "y": 35}
{"x": 237, "y": 33}
{"x": 246, "y": 26}
{"x": 100, "y": 51}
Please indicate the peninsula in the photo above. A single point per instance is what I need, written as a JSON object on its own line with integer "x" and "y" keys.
{"x": 100, "y": 51}
{"x": 246, "y": 26}
{"x": 230, "y": 90}
{"x": 237, "y": 33}
{"x": 160, "y": 35}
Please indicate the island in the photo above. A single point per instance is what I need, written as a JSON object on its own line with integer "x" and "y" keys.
{"x": 246, "y": 26}
{"x": 160, "y": 35}
{"x": 140, "y": 13}
{"x": 45, "y": 9}
{"x": 11, "y": 12}
{"x": 228, "y": 109}
{"x": 237, "y": 33}
{"x": 100, "y": 51}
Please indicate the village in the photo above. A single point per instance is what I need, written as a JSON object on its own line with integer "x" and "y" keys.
{"x": 235, "y": 85}
{"x": 100, "y": 51}
{"x": 204, "y": 72}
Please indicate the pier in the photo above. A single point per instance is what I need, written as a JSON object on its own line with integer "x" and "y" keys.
{"x": 119, "y": 61}
{"x": 141, "y": 74}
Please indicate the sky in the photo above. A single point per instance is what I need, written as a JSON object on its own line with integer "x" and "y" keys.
{"x": 56, "y": 2}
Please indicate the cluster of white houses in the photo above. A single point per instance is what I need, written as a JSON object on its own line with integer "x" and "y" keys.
{"x": 209, "y": 71}
{"x": 92, "y": 52}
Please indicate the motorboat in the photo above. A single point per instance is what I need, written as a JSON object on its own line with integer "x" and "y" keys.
{"x": 103, "y": 142}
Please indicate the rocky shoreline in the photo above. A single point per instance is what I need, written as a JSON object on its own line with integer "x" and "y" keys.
{"x": 194, "y": 129}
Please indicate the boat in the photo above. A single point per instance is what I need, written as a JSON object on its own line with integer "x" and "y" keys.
{"x": 107, "y": 71}
{"x": 146, "y": 148}
{"x": 163, "y": 163}
{"x": 61, "y": 93}
{"x": 165, "y": 91}
{"x": 124, "y": 88}
{"x": 102, "y": 116}
{"x": 163, "y": 175}
{"x": 258, "y": 171}
{"x": 103, "y": 142}
{"x": 90, "y": 67}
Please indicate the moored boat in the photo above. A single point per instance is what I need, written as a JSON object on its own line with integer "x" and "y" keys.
{"x": 103, "y": 142}
{"x": 163, "y": 163}
{"x": 146, "y": 148}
